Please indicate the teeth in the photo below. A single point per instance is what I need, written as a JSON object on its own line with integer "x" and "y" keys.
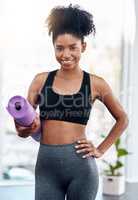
{"x": 66, "y": 61}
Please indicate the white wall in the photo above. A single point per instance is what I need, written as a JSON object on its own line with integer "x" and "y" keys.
{"x": 132, "y": 139}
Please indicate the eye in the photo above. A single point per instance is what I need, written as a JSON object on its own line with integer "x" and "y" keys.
{"x": 73, "y": 48}
{"x": 59, "y": 48}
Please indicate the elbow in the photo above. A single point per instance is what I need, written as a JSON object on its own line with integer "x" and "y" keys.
{"x": 125, "y": 120}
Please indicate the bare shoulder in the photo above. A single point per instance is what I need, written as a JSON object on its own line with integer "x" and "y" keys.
{"x": 40, "y": 77}
{"x": 35, "y": 88}
{"x": 96, "y": 79}
{"x": 39, "y": 80}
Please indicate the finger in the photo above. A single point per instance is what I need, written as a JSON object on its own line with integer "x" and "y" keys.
{"x": 82, "y": 141}
{"x": 33, "y": 124}
{"x": 81, "y": 146}
{"x": 36, "y": 123}
{"x": 17, "y": 125}
{"x": 21, "y": 128}
{"x": 83, "y": 150}
{"x": 88, "y": 155}
{"x": 85, "y": 141}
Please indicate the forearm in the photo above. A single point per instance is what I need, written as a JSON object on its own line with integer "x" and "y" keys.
{"x": 114, "y": 134}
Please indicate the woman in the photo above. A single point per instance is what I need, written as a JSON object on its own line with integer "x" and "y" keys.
{"x": 66, "y": 159}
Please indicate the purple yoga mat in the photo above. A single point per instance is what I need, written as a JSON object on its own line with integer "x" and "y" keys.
{"x": 23, "y": 113}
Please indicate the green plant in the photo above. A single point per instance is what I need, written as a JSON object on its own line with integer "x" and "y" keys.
{"x": 113, "y": 169}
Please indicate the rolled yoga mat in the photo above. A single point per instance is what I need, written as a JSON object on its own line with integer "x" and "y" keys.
{"x": 23, "y": 113}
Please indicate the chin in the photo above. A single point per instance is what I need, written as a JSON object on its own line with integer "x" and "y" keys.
{"x": 67, "y": 67}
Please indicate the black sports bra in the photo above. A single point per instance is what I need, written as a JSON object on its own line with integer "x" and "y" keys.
{"x": 72, "y": 108}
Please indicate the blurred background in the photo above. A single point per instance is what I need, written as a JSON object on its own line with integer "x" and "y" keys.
{"x": 26, "y": 49}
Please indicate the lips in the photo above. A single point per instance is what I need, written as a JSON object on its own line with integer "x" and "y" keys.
{"x": 66, "y": 62}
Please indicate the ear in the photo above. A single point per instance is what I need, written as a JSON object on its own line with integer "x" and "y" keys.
{"x": 84, "y": 44}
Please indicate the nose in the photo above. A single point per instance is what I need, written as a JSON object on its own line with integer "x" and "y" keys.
{"x": 66, "y": 54}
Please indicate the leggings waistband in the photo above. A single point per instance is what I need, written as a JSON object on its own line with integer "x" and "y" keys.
{"x": 58, "y": 145}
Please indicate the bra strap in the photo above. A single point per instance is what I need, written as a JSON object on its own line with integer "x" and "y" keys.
{"x": 86, "y": 87}
{"x": 50, "y": 78}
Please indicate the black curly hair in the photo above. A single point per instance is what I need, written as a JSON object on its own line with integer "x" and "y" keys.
{"x": 71, "y": 20}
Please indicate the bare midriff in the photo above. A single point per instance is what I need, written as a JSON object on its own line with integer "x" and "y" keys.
{"x": 61, "y": 132}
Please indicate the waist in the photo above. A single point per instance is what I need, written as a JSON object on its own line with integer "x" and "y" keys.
{"x": 53, "y": 139}
{"x": 59, "y": 132}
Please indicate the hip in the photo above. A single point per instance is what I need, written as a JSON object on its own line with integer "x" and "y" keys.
{"x": 64, "y": 159}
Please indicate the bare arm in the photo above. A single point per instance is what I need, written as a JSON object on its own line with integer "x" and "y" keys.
{"x": 102, "y": 91}
{"x": 32, "y": 97}
{"x": 115, "y": 108}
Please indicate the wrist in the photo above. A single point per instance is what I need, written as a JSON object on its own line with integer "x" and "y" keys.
{"x": 100, "y": 150}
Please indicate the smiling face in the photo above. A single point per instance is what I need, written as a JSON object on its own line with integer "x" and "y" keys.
{"x": 68, "y": 49}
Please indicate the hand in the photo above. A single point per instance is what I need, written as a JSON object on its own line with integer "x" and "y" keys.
{"x": 87, "y": 146}
{"x": 24, "y": 131}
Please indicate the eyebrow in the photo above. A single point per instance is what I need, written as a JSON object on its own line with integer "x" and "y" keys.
{"x": 59, "y": 45}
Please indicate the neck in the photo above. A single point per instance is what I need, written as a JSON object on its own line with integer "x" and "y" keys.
{"x": 69, "y": 73}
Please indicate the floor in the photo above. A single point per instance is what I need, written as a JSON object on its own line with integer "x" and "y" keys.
{"x": 26, "y": 192}
{"x": 130, "y": 194}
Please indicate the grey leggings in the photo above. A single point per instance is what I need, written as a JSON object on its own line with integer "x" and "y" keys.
{"x": 61, "y": 172}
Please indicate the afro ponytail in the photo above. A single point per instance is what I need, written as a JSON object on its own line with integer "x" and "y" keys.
{"x": 71, "y": 20}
